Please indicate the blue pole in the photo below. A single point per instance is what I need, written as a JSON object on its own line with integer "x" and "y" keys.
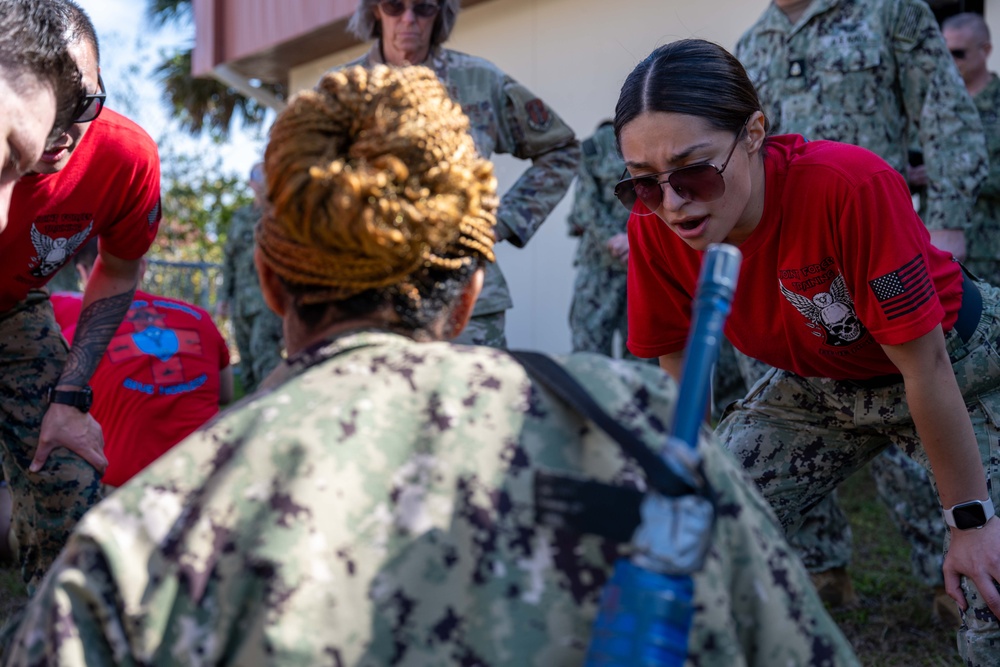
{"x": 647, "y": 606}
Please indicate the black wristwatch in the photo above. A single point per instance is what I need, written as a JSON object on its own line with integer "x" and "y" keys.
{"x": 970, "y": 515}
{"x": 81, "y": 399}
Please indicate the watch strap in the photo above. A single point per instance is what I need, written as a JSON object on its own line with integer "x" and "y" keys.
{"x": 80, "y": 399}
{"x": 988, "y": 513}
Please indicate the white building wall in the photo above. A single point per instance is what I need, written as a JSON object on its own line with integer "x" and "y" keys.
{"x": 574, "y": 54}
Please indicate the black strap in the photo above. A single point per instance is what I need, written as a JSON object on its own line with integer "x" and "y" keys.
{"x": 550, "y": 374}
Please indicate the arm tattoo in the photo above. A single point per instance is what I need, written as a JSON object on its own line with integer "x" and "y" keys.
{"x": 97, "y": 325}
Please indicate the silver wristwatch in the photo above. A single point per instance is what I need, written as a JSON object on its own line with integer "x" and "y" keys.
{"x": 973, "y": 514}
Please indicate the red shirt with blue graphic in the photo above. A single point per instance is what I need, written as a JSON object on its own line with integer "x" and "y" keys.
{"x": 839, "y": 265}
{"x": 158, "y": 380}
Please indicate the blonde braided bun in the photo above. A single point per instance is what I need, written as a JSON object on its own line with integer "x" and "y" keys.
{"x": 374, "y": 182}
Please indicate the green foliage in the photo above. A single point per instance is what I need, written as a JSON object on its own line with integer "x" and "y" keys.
{"x": 162, "y": 12}
{"x": 205, "y": 105}
{"x": 201, "y": 105}
{"x": 199, "y": 198}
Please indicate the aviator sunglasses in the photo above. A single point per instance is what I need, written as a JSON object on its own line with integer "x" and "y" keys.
{"x": 91, "y": 105}
{"x": 395, "y": 8}
{"x": 697, "y": 182}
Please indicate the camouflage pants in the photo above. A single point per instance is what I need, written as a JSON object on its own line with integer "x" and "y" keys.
{"x": 824, "y": 539}
{"x": 798, "y": 438}
{"x": 259, "y": 339}
{"x": 485, "y": 330}
{"x": 47, "y": 504}
{"x": 598, "y": 310}
{"x": 986, "y": 270}
{"x": 728, "y": 384}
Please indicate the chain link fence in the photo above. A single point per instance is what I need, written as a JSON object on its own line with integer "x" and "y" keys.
{"x": 195, "y": 282}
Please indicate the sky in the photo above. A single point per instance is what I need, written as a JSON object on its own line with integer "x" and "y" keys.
{"x": 130, "y": 49}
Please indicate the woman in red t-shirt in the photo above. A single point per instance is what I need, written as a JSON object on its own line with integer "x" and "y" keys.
{"x": 876, "y": 337}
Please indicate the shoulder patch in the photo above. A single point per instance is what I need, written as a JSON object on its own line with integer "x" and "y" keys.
{"x": 154, "y": 214}
{"x": 539, "y": 118}
{"x": 909, "y": 23}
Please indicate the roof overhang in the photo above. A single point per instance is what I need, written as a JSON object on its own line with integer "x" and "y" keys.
{"x": 265, "y": 39}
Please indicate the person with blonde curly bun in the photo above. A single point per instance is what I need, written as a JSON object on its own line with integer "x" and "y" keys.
{"x": 377, "y": 507}
{"x": 504, "y": 117}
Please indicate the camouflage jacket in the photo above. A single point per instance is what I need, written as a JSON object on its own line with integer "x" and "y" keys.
{"x": 855, "y": 71}
{"x": 378, "y": 509}
{"x": 984, "y": 237}
{"x": 596, "y": 214}
{"x": 240, "y": 285}
{"x": 506, "y": 117}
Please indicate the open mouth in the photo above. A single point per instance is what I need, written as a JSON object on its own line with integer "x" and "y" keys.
{"x": 54, "y": 155}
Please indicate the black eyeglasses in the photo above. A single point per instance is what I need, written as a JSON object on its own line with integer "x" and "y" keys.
{"x": 697, "y": 182}
{"x": 92, "y": 105}
{"x": 395, "y": 8}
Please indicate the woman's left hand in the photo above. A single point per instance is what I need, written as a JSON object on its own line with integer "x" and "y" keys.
{"x": 975, "y": 554}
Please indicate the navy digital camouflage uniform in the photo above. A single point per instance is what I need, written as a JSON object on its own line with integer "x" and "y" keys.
{"x": 257, "y": 330}
{"x": 827, "y": 429}
{"x": 505, "y": 117}
{"x": 984, "y": 236}
{"x": 377, "y": 509}
{"x": 598, "y": 308}
{"x": 855, "y": 72}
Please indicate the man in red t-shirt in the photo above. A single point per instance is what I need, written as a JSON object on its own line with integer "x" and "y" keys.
{"x": 39, "y": 87}
{"x": 39, "y": 91}
{"x": 164, "y": 375}
{"x": 101, "y": 178}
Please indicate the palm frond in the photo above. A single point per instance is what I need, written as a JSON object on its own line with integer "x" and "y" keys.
{"x": 162, "y": 12}
{"x": 205, "y": 105}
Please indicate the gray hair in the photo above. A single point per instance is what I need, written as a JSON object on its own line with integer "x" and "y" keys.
{"x": 365, "y": 26}
{"x": 968, "y": 20}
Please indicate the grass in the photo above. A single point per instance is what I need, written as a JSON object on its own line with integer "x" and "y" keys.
{"x": 12, "y": 592}
{"x": 890, "y": 627}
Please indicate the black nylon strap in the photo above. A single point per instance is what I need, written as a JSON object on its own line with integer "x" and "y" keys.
{"x": 551, "y": 375}
{"x": 587, "y": 506}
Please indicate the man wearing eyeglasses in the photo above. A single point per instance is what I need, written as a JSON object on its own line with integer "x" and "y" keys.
{"x": 98, "y": 179}
{"x": 39, "y": 88}
{"x": 968, "y": 40}
{"x": 505, "y": 117}
{"x": 873, "y": 73}
{"x": 39, "y": 91}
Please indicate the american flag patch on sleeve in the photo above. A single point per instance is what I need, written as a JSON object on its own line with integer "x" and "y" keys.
{"x": 904, "y": 290}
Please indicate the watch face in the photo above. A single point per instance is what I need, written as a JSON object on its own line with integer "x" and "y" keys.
{"x": 969, "y": 515}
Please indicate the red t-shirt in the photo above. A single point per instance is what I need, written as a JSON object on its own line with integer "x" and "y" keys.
{"x": 839, "y": 265}
{"x": 67, "y": 307}
{"x": 158, "y": 380}
{"x": 109, "y": 188}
